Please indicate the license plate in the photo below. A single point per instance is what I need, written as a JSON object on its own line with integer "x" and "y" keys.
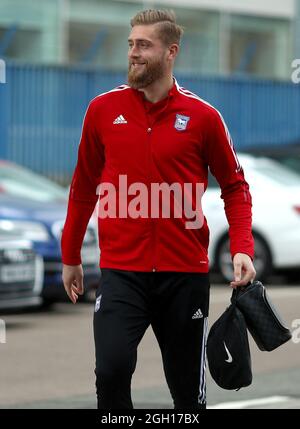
{"x": 89, "y": 255}
{"x": 17, "y": 273}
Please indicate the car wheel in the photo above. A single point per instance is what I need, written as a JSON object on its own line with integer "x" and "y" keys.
{"x": 47, "y": 304}
{"x": 262, "y": 259}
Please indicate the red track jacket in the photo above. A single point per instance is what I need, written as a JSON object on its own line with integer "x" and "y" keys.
{"x": 172, "y": 141}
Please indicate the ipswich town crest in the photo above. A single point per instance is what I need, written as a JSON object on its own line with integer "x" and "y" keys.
{"x": 181, "y": 122}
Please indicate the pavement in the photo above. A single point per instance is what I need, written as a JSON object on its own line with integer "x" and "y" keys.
{"x": 48, "y": 361}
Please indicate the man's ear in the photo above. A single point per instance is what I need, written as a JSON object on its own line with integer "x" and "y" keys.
{"x": 173, "y": 51}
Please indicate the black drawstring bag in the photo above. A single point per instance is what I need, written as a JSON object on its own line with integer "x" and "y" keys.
{"x": 228, "y": 352}
{"x": 262, "y": 318}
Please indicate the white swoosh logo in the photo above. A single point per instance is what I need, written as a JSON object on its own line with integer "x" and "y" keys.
{"x": 229, "y": 360}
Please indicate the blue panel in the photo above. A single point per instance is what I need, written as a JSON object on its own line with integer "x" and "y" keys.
{"x": 45, "y": 107}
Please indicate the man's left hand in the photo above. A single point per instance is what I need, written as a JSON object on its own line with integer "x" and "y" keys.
{"x": 244, "y": 271}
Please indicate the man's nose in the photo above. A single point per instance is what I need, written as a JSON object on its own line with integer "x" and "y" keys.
{"x": 133, "y": 52}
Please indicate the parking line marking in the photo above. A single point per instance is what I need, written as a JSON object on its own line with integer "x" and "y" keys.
{"x": 251, "y": 402}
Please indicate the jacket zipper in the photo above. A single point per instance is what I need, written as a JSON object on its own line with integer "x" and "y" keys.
{"x": 154, "y": 225}
{"x": 149, "y": 132}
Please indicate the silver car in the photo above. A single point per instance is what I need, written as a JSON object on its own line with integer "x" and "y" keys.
{"x": 21, "y": 274}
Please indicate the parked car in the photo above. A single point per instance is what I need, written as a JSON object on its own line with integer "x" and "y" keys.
{"x": 276, "y": 218}
{"x": 35, "y": 208}
{"x": 21, "y": 273}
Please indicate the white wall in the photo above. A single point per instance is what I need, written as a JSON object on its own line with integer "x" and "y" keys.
{"x": 272, "y": 8}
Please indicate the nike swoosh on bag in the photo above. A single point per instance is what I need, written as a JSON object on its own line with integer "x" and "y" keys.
{"x": 229, "y": 360}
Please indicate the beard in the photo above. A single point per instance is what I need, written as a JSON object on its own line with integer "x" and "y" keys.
{"x": 152, "y": 71}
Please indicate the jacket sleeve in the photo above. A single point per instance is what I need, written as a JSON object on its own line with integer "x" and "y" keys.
{"x": 83, "y": 190}
{"x": 224, "y": 165}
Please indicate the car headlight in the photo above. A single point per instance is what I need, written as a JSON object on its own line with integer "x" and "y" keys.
{"x": 33, "y": 231}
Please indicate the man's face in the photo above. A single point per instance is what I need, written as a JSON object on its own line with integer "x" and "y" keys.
{"x": 147, "y": 56}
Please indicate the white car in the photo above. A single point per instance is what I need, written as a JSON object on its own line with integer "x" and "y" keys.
{"x": 276, "y": 218}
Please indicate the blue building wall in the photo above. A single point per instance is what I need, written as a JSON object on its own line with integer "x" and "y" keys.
{"x": 41, "y": 112}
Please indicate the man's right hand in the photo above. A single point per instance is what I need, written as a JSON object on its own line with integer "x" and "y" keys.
{"x": 72, "y": 277}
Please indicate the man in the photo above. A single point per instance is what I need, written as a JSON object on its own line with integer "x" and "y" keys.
{"x": 154, "y": 267}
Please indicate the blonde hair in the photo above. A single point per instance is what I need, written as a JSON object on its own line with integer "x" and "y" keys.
{"x": 169, "y": 31}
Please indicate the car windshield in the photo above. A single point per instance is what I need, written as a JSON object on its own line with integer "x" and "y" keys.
{"x": 19, "y": 181}
{"x": 272, "y": 170}
{"x": 292, "y": 163}
{"x": 277, "y": 173}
